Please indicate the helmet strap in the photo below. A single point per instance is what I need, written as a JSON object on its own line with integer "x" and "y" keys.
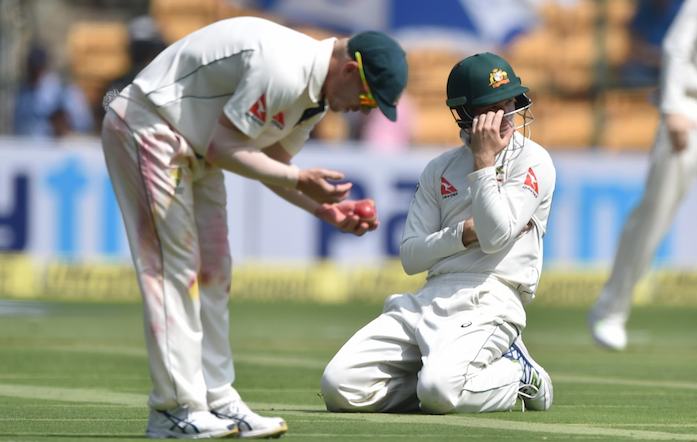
{"x": 463, "y": 122}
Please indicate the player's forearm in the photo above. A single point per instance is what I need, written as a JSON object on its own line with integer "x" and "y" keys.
{"x": 295, "y": 197}
{"x": 425, "y": 241}
{"x": 493, "y": 220}
{"x": 498, "y": 225}
{"x": 419, "y": 253}
{"x": 229, "y": 149}
{"x": 257, "y": 165}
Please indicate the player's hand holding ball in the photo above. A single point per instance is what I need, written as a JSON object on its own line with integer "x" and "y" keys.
{"x": 350, "y": 216}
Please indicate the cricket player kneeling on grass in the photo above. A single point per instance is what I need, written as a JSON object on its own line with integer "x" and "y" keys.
{"x": 476, "y": 224}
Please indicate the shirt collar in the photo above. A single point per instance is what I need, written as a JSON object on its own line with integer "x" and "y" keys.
{"x": 320, "y": 67}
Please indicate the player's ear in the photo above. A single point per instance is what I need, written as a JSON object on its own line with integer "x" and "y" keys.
{"x": 350, "y": 66}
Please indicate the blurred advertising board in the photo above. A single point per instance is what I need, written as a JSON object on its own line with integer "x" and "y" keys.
{"x": 56, "y": 202}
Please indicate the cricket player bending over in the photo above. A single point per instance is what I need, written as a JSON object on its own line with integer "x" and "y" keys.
{"x": 241, "y": 95}
{"x": 476, "y": 224}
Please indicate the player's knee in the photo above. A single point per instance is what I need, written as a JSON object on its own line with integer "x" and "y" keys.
{"x": 435, "y": 392}
{"x": 331, "y": 384}
{"x": 441, "y": 393}
{"x": 472, "y": 402}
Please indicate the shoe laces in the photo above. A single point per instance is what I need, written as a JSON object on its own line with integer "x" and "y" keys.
{"x": 527, "y": 391}
{"x": 530, "y": 376}
{"x": 239, "y": 412}
{"x": 530, "y": 380}
{"x": 179, "y": 423}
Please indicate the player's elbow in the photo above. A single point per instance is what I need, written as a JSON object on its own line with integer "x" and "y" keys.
{"x": 235, "y": 161}
{"x": 410, "y": 268}
{"x": 494, "y": 244}
{"x": 213, "y": 153}
{"x": 408, "y": 258}
{"x": 495, "y": 237}
{"x": 227, "y": 146}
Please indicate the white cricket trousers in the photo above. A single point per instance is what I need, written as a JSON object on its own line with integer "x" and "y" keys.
{"x": 438, "y": 351}
{"x": 670, "y": 177}
{"x": 173, "y": 207}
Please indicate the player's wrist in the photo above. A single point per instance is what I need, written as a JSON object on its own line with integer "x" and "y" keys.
{"x": 320, "y": 210}
{"x": 484, "y": 158}
{"x": 293, "y": 176}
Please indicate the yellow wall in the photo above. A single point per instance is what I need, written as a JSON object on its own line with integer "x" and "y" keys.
{"x": 24, "y": 278}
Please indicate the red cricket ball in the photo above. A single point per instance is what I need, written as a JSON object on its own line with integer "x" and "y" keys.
{"x": 365, "y": 209}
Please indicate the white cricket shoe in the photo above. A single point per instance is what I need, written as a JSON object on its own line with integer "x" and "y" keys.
{"x": 608, "y": 332}
{"x": 181, "y": 423}
{"x": 250, "y": 424}
{"x": 536, "y": 389}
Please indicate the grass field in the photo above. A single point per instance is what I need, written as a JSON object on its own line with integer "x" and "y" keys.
{"x": 78, "y": 371}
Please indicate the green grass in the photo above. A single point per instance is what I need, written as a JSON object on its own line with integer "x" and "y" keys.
{"x": 78, "y": 371}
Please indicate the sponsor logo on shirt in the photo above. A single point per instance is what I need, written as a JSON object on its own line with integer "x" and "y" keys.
{"x": 258, "y": 110}
{"x": 279, "y": 120}
{"x": 446, "y": 189}
{"x": 531, "y": 182}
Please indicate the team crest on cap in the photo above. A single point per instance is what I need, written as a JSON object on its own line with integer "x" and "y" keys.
{"x": 498, "y": 77}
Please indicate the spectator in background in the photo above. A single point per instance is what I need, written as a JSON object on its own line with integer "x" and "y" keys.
{"x": 42, "y": 94}
{"x": 60, "y": 123}
{"x": 62, "y": 128}
{"x": 648, "y": 27}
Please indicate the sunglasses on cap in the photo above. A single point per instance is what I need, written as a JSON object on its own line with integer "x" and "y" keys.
{"x": 366, "y": 98}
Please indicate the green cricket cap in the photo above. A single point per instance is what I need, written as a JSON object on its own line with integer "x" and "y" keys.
{"x": 481, "y": 80}
{"x": 385, "y": 66}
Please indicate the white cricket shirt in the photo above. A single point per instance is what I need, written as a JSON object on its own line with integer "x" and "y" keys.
{"x": 679, "y": 75}
{"x": 261, "y": 75}
{"x": 502, "y": 200}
